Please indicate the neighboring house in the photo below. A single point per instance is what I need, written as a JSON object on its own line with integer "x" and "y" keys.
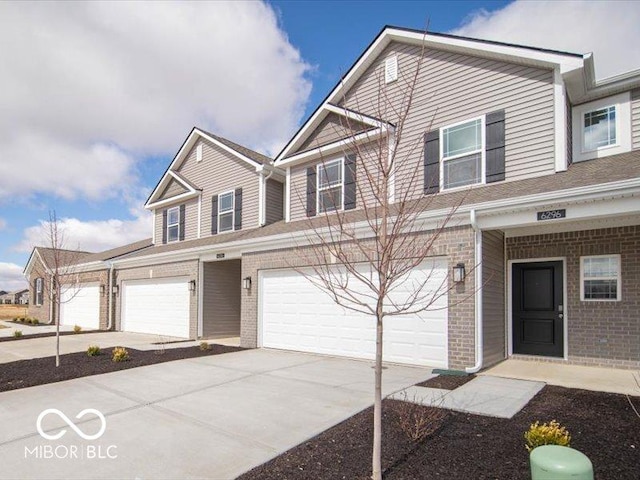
{"x": 543, "y": 160}
{"x": 16, "y": 297}
{"x": 22, "y": 297}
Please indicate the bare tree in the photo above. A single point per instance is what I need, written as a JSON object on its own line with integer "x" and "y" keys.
{"x": 64, "y": 282}
{"x": 366, "y": 259}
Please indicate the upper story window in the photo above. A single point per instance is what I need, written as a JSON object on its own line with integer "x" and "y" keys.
{"x": 38, "y": 292}
{"x": 600, "y": 277}
{"x": 600, "y": 128}
{"x": 173, "y": 224}
{"x": 225, "y": 211}
{"x": 330, "y": 185}
{"x": 462, "y": 149}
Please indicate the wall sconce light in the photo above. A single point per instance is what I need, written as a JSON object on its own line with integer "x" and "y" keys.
{"x": 102, "y": 290}
{"x": 246, "y": 283}
{"x": 192, "y": 286}
{"x": 115, "y": 289}
{"x": 458, "y": 273}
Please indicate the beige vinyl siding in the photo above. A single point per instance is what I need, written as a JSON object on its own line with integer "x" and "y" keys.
{"x": 274, "y": 201}
{"x": 173, "y": 189}
{"x": 221, "y": 299}
{"x": 220, "y": 172}
{"x": 333, "y": 128}
{"x": 493, "y": 296}
{"x": 453, "y": 88}
{"x": 635, "y": 118}
{"x": 369, "y": 153}
{"x": 190, "y": 223}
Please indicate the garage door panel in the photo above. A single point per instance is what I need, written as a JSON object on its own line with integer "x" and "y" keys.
{"x": 157, "y": 307}
{"x": 81, "y": 306}
{"x": 296, "y": 315}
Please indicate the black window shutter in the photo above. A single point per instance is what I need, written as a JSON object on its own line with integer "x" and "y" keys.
{"x": 432, "y": 162}
{"x": 164, "y": 226}
{"x": 350, "y": 182}
{"x": 495, "y": 146}
{"x": 214, "y": 215}
{"x": 311, "y": 191}
{"x": 237, "y": 213}
{"x": 183, "y": 211}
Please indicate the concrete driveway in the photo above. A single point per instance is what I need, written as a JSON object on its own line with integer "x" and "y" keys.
{"x": 213, "y": 417}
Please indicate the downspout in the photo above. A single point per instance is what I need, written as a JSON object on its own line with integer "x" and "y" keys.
{"x": 478, "y": 294}
{"x": 263, "y": 219}
{"x": 110, "y": 301}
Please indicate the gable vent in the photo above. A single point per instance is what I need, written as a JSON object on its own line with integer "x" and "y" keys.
{"x": 391, "y": 69}
{"x": 199, "y": 153}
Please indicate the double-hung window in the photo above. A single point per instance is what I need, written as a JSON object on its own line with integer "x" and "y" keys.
{"x": 225, "y": 211}
{"x": 461, "y": 147}
{"x": 173, "y": 224}
{"x": 600, "y": 277}
{"x": 599, "y": 128}
{"x": 39, "y": 290}
{"x": 330, "y": 185}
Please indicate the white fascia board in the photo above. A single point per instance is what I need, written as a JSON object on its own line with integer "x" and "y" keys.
{"x": 274, "y": 173}
{"x": 177, "y": 198}
{"x": 332, "y": 148}
{"x": 356, "y": 116}
{"x": 228, "y": 149}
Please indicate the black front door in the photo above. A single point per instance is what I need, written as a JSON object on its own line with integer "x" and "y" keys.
{"x": 538, "y": 309}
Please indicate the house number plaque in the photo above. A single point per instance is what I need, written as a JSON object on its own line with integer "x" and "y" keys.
{"x": 552, "y": 214}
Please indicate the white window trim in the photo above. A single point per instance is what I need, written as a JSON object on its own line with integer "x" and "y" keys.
{"x": 622, "y": 103}
{"x": 173, "y": 224}
{"x": 39, "y": 290}
{"x": 482, "y": 151}
{"x": 324, "y": 164}
{"x": 233, "y": 210}
{"x": 618, "y": 279}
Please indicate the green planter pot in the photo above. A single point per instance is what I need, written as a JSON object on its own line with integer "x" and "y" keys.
{"x": 553, "y": 462}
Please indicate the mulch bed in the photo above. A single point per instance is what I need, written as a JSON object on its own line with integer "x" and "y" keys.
{"x": 446, "y": 382}
{"x": 26, "y": 336}
{"x": 603, "y": 426}
{"x": 39, "y": 371}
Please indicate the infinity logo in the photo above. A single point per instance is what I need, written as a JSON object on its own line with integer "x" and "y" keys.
{"x": 71, "y": 424}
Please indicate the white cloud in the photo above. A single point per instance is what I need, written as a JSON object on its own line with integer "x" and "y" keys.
{"x": 91, "y": 88}
{"x": 3, "y": 224}
{"x": 608, "y": 29}
{"x": 91, "y": 236}
{"x": 11, "y": 277}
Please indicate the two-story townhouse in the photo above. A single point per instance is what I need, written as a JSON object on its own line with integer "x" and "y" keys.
{"x": 542, "y": 162}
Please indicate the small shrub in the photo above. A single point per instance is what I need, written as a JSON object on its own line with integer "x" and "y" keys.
{"x": 30, "y": 321}
{"x": 35, "y": 321}
{"x": 551, "y": 433}
{"x": 120, "y": 354}
{"x": 23, "y": 319}
{"x": 418, "y": 421}
{"x": 93, "y": 350}
{"x": 17, "y": 333}
{"x": 204, "y": 346}
{"x": 77, "y": 329}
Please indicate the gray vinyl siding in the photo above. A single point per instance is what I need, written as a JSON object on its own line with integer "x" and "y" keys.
{"x": 453, "y": 88}
{"x": 221, "y": 299}
{"x": 173, "y": 189}
{"x": 275, "y": 201}
{"x": 190, "y": 224}
{"x": 333, "y": 128}
{"x": 493, "y": 296}
{"x": 220, "y": 172}
{"x": 635, "y": 118}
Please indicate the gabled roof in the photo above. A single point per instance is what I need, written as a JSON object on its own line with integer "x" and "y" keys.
{"x": 245, "y": 154}
{"x": 538, "y": 57}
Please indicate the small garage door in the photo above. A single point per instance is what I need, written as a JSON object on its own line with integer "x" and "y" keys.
{"x": 296, "y": 315}
{"x": 156, "y": 306}
{"x": 81, "y": 306}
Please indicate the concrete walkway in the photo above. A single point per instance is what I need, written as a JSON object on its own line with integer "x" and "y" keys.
{"x": 571, "y": 376}
{"x": 211, "y": 417}
{"x": 25, "y": 348}
{"x": 27, "y": 329}
{"x": 490, "y": 396}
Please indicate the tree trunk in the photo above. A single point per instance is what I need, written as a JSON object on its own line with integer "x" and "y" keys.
{"x": 56, "y": 318}
{"x": 377, "y": 406}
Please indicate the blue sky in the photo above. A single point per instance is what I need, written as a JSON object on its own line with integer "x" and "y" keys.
{"x": 100, "y": 96}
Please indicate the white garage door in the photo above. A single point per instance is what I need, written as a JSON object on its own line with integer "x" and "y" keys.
{"x": 81, "y": 306}
{"x": 156, "y": 306}
{"x": 296, "y": 315}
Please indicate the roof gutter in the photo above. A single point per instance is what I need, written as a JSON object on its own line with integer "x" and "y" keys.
{"x": 479, "y": 348}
